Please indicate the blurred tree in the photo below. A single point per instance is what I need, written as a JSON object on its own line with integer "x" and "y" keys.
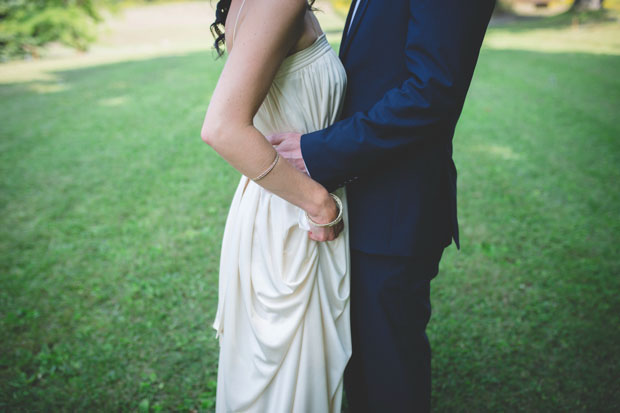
{"x": 587, "y": 5}
{"x": 341, "y": 6}
{"x": 503, "y": 7}
{"x": 26, "y": 25}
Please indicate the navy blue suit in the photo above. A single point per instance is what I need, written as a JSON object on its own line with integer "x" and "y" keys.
{"x": 409, "y": 65}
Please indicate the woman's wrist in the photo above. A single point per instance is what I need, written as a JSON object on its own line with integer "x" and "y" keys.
{"x": 323, "y": 209}
{"x": 333, "y": 222}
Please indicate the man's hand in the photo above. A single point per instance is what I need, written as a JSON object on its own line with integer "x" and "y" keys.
{"x": 288, "y": 146}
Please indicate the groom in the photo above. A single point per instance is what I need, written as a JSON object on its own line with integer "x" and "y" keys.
{"x": 409, "y": 65}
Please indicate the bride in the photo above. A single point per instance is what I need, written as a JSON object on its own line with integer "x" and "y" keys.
{"x": 283, "y": 305}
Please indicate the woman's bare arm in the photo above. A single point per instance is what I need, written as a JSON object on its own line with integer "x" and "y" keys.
{"x": 270, "y": 29}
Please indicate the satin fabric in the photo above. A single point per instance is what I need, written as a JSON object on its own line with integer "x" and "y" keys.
{"x": 283, "y": 310}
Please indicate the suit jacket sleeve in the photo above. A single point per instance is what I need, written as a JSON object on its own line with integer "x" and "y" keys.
{"x": 443, "y": 42}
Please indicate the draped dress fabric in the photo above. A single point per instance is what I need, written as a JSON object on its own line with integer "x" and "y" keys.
{"x": 283, "y": 305}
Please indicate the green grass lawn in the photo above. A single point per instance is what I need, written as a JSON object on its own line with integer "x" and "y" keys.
{"x": 112, "y": 213}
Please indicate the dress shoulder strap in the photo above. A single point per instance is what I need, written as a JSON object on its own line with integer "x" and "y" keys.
{"x": 237, "y": 21}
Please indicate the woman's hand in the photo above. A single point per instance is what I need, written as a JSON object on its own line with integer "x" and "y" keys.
{"x": 326, "y": 234}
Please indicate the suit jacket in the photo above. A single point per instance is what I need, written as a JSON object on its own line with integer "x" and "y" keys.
{"x": 409, "y": 64}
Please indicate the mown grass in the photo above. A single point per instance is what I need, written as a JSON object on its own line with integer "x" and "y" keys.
{"x": 113, "y": 211}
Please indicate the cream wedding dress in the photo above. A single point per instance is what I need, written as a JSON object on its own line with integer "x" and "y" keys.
{"x": 283, "y": 310}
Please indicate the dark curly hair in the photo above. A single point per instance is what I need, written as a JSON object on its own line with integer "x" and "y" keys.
{"x": 217, "y": 27}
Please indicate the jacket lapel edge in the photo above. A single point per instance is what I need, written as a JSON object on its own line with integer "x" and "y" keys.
{"x": 344, "y": 47}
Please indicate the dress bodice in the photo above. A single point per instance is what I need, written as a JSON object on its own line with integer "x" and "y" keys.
{"x": 307, "y": 92}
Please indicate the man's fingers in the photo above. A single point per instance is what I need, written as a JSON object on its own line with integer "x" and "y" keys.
{"x": 276, "y": 139}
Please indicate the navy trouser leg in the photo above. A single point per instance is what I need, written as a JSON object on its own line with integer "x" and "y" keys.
{"x": 390, "y": 368}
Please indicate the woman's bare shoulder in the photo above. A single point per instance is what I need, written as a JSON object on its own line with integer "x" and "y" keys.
{"x": 275, "y": 10}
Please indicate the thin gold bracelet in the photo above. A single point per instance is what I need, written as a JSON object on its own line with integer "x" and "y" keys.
{"x": 273, "y": 165}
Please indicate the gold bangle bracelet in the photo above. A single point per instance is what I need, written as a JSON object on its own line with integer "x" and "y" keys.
{"x": 273, "y": 165}
{"x": 335, "y": 221}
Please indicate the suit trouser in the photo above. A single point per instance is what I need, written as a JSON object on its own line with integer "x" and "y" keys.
{"x": 390, "y": 367}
